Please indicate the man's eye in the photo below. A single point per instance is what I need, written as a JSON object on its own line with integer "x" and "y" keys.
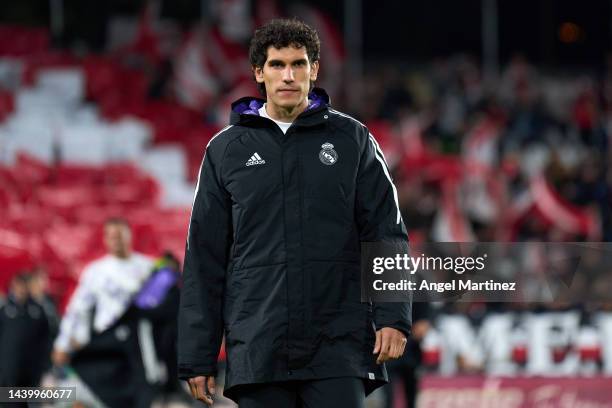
{"x": 299, "y": 63}
{"x": 275, "y": 64}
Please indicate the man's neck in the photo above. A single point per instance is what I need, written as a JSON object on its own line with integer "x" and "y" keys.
{"x": 122, "y": 255}
{"x": 282, "y": 114}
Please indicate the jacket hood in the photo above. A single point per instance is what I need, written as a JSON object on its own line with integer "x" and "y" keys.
{"x": 248, "y": 105}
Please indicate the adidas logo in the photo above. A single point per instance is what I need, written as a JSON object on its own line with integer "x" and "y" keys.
{"x": 255, "y": 160}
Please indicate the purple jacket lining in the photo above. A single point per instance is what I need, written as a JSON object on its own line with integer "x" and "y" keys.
{"x": 252, "y": 108}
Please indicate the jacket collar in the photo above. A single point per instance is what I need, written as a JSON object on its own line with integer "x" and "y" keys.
{"x": 245, "y": 111}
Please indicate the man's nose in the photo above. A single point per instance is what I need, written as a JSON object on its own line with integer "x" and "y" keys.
{"x": 288, "y": 74}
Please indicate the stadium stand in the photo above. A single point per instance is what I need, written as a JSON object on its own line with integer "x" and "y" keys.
{"x": 70, "y": 159}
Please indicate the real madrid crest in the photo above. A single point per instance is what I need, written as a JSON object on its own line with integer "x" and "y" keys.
{"x": 328, "y": 155}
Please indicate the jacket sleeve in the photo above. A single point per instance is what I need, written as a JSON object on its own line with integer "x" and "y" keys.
{"x": 379, "y": 219}
{"x": 200, "y": 317}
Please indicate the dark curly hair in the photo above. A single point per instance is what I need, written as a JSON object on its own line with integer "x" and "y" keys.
{"x": 281, "y": 33}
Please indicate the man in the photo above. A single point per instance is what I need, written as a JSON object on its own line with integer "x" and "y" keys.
{"x": 405, "y": 371}
{"x": 100, "y": 334}
{"x": 158, "y": 302}
{"x": 284, "y": 198}
{"x": 24, "y": 332}
{"x": 40, "y": 356}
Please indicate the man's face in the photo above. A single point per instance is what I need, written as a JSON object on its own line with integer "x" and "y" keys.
{"x": 19, "y": 290}
{"x": 286, "y": 75}
{"x": 37, "y": 285}
{"x": 118, "y": 239}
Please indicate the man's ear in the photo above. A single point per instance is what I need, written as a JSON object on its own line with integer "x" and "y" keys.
{"x": 314, "y": 70}
{"x": 258, "y": 73}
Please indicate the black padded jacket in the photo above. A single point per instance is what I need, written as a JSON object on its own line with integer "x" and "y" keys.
{"x": 273, "y": 250}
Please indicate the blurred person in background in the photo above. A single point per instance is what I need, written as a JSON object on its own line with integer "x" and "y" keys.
{"x": 404, "y": 371}
{"x": 37, "y": 289}
{"x": 158, "y": 303}
{"x": 24, "y": 336}
{"x": 98, "y": 348}
{"x": 274, "y": 262}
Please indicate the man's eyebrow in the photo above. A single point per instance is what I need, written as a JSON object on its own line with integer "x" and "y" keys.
{"x": 277, "y": 61}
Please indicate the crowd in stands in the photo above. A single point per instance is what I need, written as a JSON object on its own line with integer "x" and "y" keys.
{"x": 523, "y": 157}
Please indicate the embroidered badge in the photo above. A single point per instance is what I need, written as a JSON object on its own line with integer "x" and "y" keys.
{"x": 328, "y": 155}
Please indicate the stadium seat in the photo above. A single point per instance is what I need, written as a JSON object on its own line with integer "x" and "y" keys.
{"x": 85, "y": 144}
{"x": 127, "y": 139}
{"x": 174, "y": 163}
{"x": 67, "y": 84}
